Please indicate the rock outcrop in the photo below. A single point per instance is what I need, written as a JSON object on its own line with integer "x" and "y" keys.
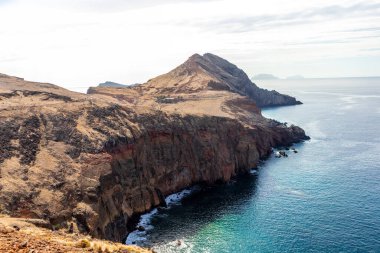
{"x": 93, "y": 163}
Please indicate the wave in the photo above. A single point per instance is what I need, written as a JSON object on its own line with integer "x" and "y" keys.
{"x": 253, "y": 172}
{"x": 176, "y": 246}
{"x": 349, "y": 100}
{"x": 314, "y": 130}
{"x": 175, "y": 199}
{"x": 137, "y": 236}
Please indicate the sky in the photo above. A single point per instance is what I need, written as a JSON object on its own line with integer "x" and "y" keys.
{"x": 80, "y": 43}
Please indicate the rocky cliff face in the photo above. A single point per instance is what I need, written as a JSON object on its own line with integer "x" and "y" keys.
{"x": 51, "y": 170}
{"x": 95, "y": 162}
{"x": 241, "y": 83}
{"x": 174, "y": 152}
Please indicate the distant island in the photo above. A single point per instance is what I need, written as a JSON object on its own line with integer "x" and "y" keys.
{"x": 112, "y": 84}
{"x": 264, "y": 77}
{"x": 273, "y": 77}
{"x": 117, "y": 85}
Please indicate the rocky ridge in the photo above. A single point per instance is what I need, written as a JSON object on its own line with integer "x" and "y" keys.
{"x": 214, "y": 73}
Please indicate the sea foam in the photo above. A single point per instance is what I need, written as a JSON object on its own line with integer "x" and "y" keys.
{"x": 136, "y": 236}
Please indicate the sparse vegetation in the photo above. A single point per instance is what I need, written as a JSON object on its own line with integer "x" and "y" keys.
{"x": 169, "y": 100}
{"x": 84, "y": 243}
{"x": 30, "y": 238}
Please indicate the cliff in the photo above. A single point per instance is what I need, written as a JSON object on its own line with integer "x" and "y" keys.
{"x": 92, "y": 163}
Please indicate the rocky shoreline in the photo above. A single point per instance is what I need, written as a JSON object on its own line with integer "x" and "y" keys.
{"x": 93, "y": 163}
{"x": 217, "y": 150}
{"x": 141, "y": 222}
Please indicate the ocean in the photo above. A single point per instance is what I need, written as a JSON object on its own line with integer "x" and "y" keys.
{"x": 325, "y": 198}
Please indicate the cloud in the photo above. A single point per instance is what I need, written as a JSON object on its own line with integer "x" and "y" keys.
{"x": 372, "y": 49}
{"x": 260, "y": 22}
{"x": 3, "y": 2}
{"x": 365, "y": 29}
{"x": 104, "y": 5}
{"x": 11, "y": 59}
{"x": 344, "y": 40}
{"x": 81, "y": 42}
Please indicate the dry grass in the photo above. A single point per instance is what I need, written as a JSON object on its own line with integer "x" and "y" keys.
{"x": 17, "y": 235}
{"x": 109, "y": 247}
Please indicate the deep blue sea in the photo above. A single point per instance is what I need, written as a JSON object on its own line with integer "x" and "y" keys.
{"x": 325, "y": 198}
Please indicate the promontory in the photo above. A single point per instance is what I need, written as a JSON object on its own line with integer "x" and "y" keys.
{"x": 92, "y": 163}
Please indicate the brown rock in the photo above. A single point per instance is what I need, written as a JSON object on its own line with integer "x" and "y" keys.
{"x": 23, "y": 244}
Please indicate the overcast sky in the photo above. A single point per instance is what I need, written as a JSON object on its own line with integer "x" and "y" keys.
{"x": 80, "y": 43}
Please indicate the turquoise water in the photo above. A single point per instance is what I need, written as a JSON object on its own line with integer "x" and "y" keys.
{"x": 325, "y": 198}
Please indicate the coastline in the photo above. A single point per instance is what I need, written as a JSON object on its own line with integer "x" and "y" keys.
{"x": 144, "y": 226}
{"x": 98, "y": 161}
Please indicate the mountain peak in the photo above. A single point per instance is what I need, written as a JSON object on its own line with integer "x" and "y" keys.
{"x": 193, "y": 62}
{"x": 211, "y": 72}
{"x": 194, "y": 57}
{"x": 217, "y": 59}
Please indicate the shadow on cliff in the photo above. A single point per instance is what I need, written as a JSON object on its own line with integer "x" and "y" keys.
{"x": 200, "y": 209}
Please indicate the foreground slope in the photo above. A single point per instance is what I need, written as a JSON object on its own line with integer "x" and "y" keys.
{"x": 22, "y": 235}
{"x": 93, "y": 163}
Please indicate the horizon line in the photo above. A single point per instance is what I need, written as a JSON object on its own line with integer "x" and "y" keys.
{"x": 333, "y": 77}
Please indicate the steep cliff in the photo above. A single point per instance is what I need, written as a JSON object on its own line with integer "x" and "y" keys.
{"x": 175, "y": 152}
{"x": 95, "y": 162}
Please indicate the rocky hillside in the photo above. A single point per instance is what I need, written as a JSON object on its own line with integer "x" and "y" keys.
{"x": 210, "y": 72}
{"x": 93, "y": 163}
